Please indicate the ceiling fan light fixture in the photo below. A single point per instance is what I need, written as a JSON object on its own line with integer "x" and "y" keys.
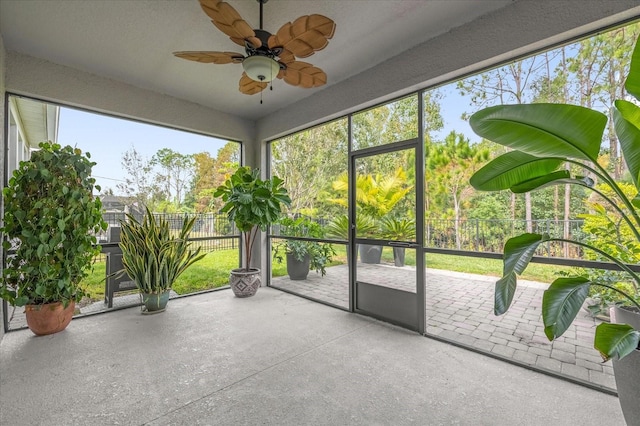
{"x": 261, "y": 68}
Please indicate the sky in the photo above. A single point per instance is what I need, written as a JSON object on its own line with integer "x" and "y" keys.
{"x": 452, "y": 106}
{"x": 107, "y": 138}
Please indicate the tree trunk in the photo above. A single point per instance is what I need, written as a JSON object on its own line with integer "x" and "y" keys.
{"x": 567, "y": 210}
{"x": 527, "y": 202}
{"x": 456, "y": 210}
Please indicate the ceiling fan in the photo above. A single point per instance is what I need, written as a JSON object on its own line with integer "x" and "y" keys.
{"x": 267, "y": 55}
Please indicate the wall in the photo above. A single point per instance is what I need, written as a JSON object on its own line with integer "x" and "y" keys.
{"x": 2, "y": 141}
{"x": 30, "y": 76}
{"x": 506, "y": 34}
{"x": 515, "y": 30}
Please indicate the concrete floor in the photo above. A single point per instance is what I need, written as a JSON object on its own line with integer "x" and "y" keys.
{"x": 459, "y": 308}
{"x": 271, "y": 359}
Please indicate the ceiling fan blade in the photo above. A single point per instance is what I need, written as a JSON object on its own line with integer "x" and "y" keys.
{"x": 229, "y": 21}
{"x": 249, "y": 86}
{"x": 286, "y": 57}
{"x": 304, "y": 36}
{"x": 212, "y": 57}
{"x": 303, "y": 74}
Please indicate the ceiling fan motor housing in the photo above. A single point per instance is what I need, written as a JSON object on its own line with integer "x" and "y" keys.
{"x": 264, "y": 49}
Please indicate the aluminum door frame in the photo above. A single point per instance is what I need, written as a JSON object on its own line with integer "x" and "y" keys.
{"x": 395, "y": 306}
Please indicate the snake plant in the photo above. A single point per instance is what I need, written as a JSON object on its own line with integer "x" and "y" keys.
{"x": 152, "y": 256}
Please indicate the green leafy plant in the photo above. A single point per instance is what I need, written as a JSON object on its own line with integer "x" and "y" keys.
{"x": 252, "y": 204}
{"x": 376, "y": 195}
{"x": 606, "y": 231}
{"x": 51, "y": 218}
{"x": 320, "y": 254}
{"x": 398, "y": 229}
{"x": 151, "y": 256}
{"x": 545, "y": 137}
{"x": 338, "y": 227}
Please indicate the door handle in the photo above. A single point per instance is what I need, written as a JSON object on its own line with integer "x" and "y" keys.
{"x": 401, "y": 244}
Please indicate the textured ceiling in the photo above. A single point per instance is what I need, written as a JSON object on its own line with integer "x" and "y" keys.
{"x": 131, "y": 41}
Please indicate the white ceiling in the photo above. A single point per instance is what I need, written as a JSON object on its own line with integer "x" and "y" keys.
{"x": 131, "y": 41}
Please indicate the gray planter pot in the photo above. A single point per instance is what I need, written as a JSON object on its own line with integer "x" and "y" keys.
{"x": 243, "y": 283}
{"x": 398, "y": 256}
{"x": 155, "y": 302}
{"x": 298, "y": 270}
{"x": 370, "y": 254}
{"x": 627, "y": 371}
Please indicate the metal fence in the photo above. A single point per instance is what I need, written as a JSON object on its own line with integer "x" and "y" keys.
{"x": 489, "y": 235}
{"x": 211, "y": 231}
{"x": 214, "y": 232}
{"x": 207, "y": 224}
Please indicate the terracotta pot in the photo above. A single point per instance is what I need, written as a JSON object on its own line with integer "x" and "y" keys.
{"x": 243, "y": 283}
{"x": 49, "y": 318}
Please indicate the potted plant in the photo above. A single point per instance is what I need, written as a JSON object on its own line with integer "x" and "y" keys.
{"x": 51, "y": 218}
{"x": 154, "y": 258}
{"x": 301, "y": 255}
{"x": 545, "y": 137}
{"x": 368, "y": 227}
{"x": 398, "y": 230}
{"x": 376, "y": 196}
{"x": 252, "y": 204}
{"x": 338, "y": 228}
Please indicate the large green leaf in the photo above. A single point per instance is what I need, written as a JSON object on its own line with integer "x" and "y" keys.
{"x": 627, "y": 124}
{"x": 633, "y": 79}
{"x": 504, "y": 292}
{"x": 543, "y": 130}
{"x": 511, "y": 169}
{"x": 517, "y": 255}
{"x": 616, "y": 340}
{"x": 561, "y": 303}
{"x": 556, "y": 178}
{"x": 519, "y": 250}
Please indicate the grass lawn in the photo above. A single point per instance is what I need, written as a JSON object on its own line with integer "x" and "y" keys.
{"x": 213, "y": 270}
{"x": 210, "y": 272}
{"x": 490, "y": 267}
{"x": 471, "y": 265}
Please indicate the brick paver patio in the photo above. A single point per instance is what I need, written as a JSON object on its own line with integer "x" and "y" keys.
{"x": 459, "y": 307}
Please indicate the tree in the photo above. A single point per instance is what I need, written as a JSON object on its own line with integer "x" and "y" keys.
{"x": 210, "y": 172}
{"x": 452, "y": 163}
{"x": 204, "y": 182}
{"x": 598, "y": 68}
{"x": 512, "y": 83}
{"x": 309, "y": 161}
{"x": 138, "y": 183}
{"x": 176, "y": 172}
